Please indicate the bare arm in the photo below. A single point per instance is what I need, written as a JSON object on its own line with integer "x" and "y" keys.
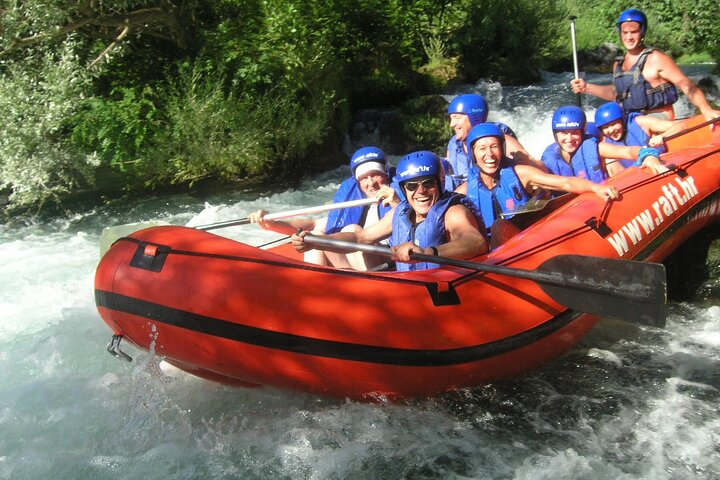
{"x": 668, "y": 70}
{"x": 533, "y": 177}
{"x": 285, "y": 227}
{"x": 606, "y": 92}
{"x": 515, "y": 150}
{"x": 609, "y": 150}
{"x": 373, "y": 234}
{"x": 658, "y": 129}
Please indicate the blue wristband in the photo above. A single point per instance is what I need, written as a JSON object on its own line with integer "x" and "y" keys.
{"x": 646, "y": 152}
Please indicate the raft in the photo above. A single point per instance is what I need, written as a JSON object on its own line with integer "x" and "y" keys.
{"x": 241, "y": 315}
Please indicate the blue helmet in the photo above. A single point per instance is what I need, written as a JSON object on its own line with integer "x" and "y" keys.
{"x": 633, "y": 15}
{"x": 593, "y": 130}
{"x": 481, "y": 131}
{"x": 608, "y": 113}
{"x": 366, "y": 155}
{"x": 471, "y": 104}
{"x": 420, "y": 164}
{"x": 568, "y": 118}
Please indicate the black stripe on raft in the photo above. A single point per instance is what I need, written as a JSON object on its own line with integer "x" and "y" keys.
{"x": 325, "y": 348}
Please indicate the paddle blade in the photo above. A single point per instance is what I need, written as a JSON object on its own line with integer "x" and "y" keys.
{"x": 628, "y": 290}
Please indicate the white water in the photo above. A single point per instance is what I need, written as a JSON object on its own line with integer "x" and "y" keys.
{"x": 628, "y": 403}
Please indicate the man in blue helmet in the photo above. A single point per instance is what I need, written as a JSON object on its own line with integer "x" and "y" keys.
{"x": 371, "y": 178}
{"x": 633, "y": 129}
{"x": 645, "y": 79}
{"x": 465, "y": 112}
{"x": 576, "y": 154}
{"x": 498, "y": 185}
{"x": 429, "y": 220}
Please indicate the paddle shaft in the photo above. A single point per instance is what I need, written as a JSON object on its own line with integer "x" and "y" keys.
{"x": 575, "y": 59}
{"x": 632, "y": 291}
{"x": 292, "y": 213}
{"x": 537, "y": 275}
{"x": 692, "y": 129}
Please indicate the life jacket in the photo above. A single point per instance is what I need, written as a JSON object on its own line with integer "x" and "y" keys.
{"x": 634, "y": 136}
{"x": 460, "y": 161}
{"x": 350, "y": 190}
{"x": 584, "y": 163}
{"x": 509, "y": 193}
{"x": 635, "y": 93}
{"x": 428, "y": 233}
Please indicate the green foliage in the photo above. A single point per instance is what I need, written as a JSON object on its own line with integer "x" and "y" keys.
{"x": 234, "y": 88}
{"x": 118, "y": 128}
{"x": 210, "y": 134}
{"x": 37, "y": 100}
{"x": 505, "y": 41}
{"x": 421, "y": 124}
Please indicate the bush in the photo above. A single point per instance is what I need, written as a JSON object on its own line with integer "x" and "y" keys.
{"x": 38, "y": 99}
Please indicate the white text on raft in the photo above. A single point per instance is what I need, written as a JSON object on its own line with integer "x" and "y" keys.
{"x": 646, "y": 221}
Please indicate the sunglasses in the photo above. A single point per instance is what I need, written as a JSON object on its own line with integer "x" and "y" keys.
{"x": 427, "y": 184}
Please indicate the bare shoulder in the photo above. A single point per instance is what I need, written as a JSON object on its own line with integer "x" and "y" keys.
{"x": 660, "y": 59}
{"x": 460, "y": 215}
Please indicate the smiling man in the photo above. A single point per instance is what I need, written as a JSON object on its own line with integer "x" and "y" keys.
{"x": 429, "y": 220}
{"x": 646, "y": 80}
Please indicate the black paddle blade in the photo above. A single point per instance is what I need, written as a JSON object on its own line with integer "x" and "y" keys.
{"x": 628, "y": 290}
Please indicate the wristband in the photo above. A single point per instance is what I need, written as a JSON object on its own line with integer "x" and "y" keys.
{"x": 434, "y": 250}
{"x": 646, "y": 152}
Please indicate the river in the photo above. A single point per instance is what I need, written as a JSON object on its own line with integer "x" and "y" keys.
{"x": 628, "y": 403}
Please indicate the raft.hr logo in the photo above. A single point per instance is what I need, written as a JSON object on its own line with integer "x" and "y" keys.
{"x": 412, "y": 169}
{"x": 367, "y": 156}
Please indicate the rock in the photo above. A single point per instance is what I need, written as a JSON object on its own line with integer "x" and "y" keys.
{"x": 598, "y": 60}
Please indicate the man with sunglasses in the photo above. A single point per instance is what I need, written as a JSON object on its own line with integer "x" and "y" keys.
{"x": 429, "y": 220}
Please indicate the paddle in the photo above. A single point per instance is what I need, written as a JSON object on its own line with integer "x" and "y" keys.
{"x": 574, "y": 50}
{"x": 291, "y": 213}
{"x": 629, "y": 290}
{"x": 692, "y": 129}
{"x": 111, "y": 234}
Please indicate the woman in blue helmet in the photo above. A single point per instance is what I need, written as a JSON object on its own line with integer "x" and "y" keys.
{"x": 645, "y": 79}
{"x": 429, "y": 220}
{"x": 465, "y": 112}
{"x": 497, "y": 185}
{"x": 633, "y": 129}
{"x": 371, "y": 177}
{"x": 576, "y": 154}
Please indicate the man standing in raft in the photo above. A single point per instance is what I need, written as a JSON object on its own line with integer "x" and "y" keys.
{"x": 645, "y": 79}
{"x": 575, "y": 154}
{"x": 370, "y": 179}
{"x": 496, "y": 185}
{"x": 635, "y": 129}
{"x": 429, "y": 220}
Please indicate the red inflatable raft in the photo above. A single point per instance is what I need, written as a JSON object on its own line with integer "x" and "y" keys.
{"x": 237, "y": 314}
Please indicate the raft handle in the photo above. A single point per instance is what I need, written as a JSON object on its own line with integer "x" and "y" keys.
{"x": 443, "y": 294}
{"x": 150, "y": 256}
{"x": 600, "y": 227}
{"x": 114, "y": 348}
{"x": 682, "y": 173}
